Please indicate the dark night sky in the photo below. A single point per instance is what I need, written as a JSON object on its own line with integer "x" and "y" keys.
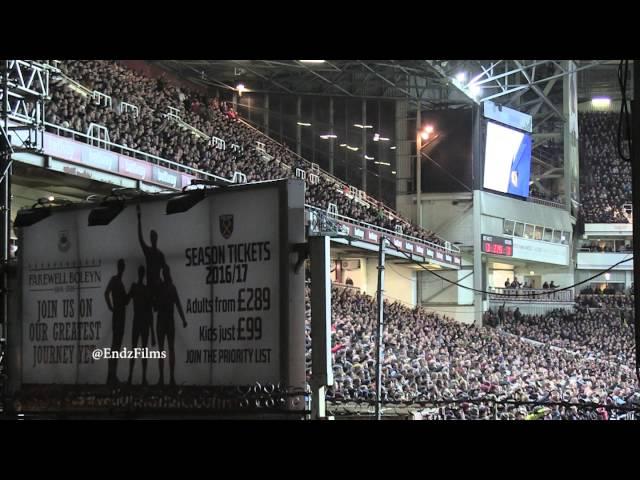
{"x": 452, "y": 152}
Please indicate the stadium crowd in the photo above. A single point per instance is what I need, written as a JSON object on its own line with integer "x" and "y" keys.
{"x": 152, "y": 131}
{"x": 430, "y": 358}
{"x": 586, "y": 356}
{"x": 605, "y": 178}
{"x": 604, "y": 332}
{"x": 607, "y": 246}
{"x": 606, "y": 289}
{"x": 617, "y": 300}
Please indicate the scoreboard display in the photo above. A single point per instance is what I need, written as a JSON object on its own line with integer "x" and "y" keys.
{"x": 497, "y": 245}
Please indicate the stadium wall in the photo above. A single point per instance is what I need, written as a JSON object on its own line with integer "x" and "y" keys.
{"x": 522, "y": 211}
{"x": 560, "y": 275}
{"x": 449, "y": 215}
{"x": 399, "y": 281}
{"x": 459, "y": 313}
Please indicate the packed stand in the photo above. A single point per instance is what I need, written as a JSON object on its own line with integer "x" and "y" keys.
{"x": 592, "y": 300}
{"x": 606, "y": 289}
{"x": 608, "y": 246}
{"x": 430, "y": 358}
{"x": 152, "y": 132}
{"x": 604, "y": 333}
{"x": 605, "y": 179}
{"x": 322, "y": 194}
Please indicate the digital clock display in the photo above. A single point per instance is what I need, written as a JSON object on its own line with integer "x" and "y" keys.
{"x": 497, "y": 245}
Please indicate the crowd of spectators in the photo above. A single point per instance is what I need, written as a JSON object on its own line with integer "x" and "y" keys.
{"x": 430, "y": 358}
{"x": 595, "y": 333}
{"x": 600, "y": 290}
{"x": 515, "y": 284}
{"x": 151, "y": 131}
{"x": 608, "y": 246}
{"x": 616, "y": 300}
{"x": 605, "y": 179}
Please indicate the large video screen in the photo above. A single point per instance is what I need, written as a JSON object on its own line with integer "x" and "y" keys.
{"x": 507, "y": 160}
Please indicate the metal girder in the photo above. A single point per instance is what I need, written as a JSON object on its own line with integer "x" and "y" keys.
{"x": 327, "y": 80}
{"x": 277, "y": 84}
{"x": 540, "y": 186}
{"x": 545, "y": 92}
{"x": 445, "y": 75}
{"x": 539, "y": 92}
{"x": 509, "y": 82}
{"x": 24, "y": 90}
{"x": 522, "y": 88}
{"x": 504, "y": 81}
{"x": 22, "y": 109}
{"x": 545, "y": 119}
{"x": 544, "y": 137}
{"x": 489, "y": 77}
{"x": 27, "y": 78}
{"x": 384, "y": 79}
{"x": 555, "y": 172}
{"x": 404, "y": 69}
{"x": 539, "y": 161}
{"x": 213, "y": 81}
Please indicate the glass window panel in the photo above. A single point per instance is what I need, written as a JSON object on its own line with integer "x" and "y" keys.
{"x": 508, "y": 227}
{"x": 528, "y": 231}
{"x": 519, "y": 229}
{"x": 538, "y": 233}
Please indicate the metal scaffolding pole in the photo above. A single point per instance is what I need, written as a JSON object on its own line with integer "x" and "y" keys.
{"x": 5, "y": 231}
{"x": 23, "y": 91}
{"x": 266, "y": 115}
{"x": 346, "y": 150}
{"x": 321, "y": 368}
{"x": 5, "y": 234}
{"x": 418, "y": 168}
{"x": 379, "y": 153}
{"x": 298, "y": 126}
{"x": 635, "y": 176}
{"x": 313, "y": 130}
{"x": 331, "y": 143}
{"x": 380, "y": 335}
{"x": 364, "y": 145}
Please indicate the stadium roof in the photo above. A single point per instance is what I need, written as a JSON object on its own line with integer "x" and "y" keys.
{"x": 535, "y": 86}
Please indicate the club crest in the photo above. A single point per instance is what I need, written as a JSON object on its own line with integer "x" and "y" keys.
{"x": 226, "y": 225}
{"x": 63, "y": 241}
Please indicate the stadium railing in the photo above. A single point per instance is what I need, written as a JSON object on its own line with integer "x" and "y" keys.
{"x": 358, "y": 195}
{"x": 392, "y": 233}
{"x": 530, "y": 295}
{"x": 547, "y": 203}
{"x": 163, "y": 162}
{"x": 344, "y": 286}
